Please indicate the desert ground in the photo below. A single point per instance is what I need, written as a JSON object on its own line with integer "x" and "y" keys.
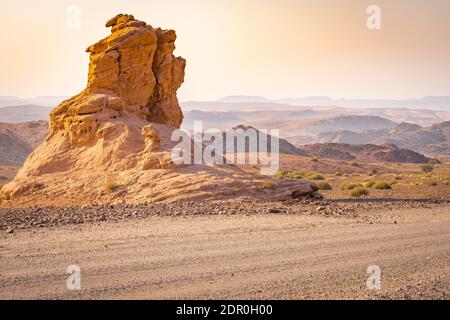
{"x": 294, "y": 250}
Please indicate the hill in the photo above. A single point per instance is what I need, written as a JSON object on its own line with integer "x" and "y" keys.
{"x": 365, "y": 152}
{"x": 17, "y": 141}
{"x": 433, "y": 140}
{"x": 241, "y": 133}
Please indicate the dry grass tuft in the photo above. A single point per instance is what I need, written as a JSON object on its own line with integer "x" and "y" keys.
{"x": 111, "y": 185}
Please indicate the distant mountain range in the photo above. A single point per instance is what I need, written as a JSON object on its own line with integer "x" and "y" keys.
{"x": 44, "y": 101}
{"x": 431, "y": 102}
{"x": 291, "y": 119}
{"x": 420, "y": 130}
{"x": 17, "y": 141}
{"x": 433, "y": 140}
{"x": 365, "y": 152}
{"x": 441, "y": 103}
{"x": 24, "y": 113}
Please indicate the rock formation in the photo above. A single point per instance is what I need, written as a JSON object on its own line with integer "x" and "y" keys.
{"x": 111, "y": 142}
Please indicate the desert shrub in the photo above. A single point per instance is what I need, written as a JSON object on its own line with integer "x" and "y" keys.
{"x": 268, "y": 184}
{"x": 286, "y": 174}
{"x": 430, "y": 183}
{"x": 359, "y": 192}
{"x": 111, "y": 185}
{"x": 281, "y": 174}
{"x": 351, "y": 186}
{"x": 374, "y": 171}
{"x": 353, "y": 164}
{"x": 368, "y": 184}
{"x": 3, "y": 178}
{"x": 323, "y": 185}
{"x": 295, "y": 175}
{"x": 382, "y": 186}
{"x": 338, "y": 174}
{"x": 427, "y": 168}
{"x": 315, "y": 159}
{"x": 393, "y": 182}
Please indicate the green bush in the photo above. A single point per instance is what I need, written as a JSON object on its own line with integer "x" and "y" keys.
{"x": 323, "y": 185}
{"x": 281, "y": 174}
{"x": 369, "y": 184}
{"x": 295, "y": 175}
{"x": 286, "y": 174}
{"x": 427, "y": 168}
{"x": 359, "y": 192}
{"x": 382, "y": 186}
{"x": 351, "y": 186}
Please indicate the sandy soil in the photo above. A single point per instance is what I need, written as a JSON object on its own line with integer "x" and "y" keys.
{"x": 270, "y": 256}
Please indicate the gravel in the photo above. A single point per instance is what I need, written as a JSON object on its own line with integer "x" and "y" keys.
{"x": 32, "y": 218}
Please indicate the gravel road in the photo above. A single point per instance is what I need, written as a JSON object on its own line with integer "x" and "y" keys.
{"x": 262, "y": 256}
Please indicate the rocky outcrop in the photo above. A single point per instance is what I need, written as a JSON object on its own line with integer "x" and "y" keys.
{"x": 112, "y": 142}
{"x": 132, "y": 72}
{"x": 132, "y": 82}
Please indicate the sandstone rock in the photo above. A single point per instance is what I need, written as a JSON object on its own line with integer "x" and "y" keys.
{"x": 111, "y": 143}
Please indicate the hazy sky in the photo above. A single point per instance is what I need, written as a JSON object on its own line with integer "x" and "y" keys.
{"x": 273, "y": 48}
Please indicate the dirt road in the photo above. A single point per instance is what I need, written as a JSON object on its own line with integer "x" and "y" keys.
{"x": 232, "y": 257}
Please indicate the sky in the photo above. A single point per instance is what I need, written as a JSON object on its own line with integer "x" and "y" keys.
{"x": 271, "y": 48}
